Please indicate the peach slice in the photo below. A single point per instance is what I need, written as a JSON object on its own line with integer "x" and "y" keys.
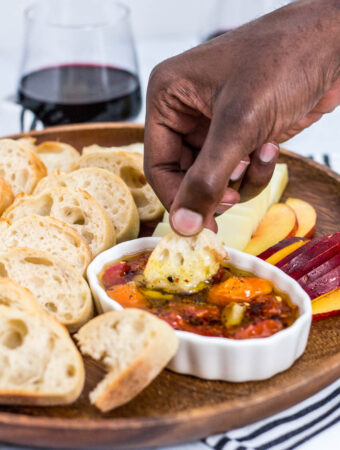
{"x": 327, "y": 305}
{"x": 278, "y": 223}
{"x": 306, "y": 217}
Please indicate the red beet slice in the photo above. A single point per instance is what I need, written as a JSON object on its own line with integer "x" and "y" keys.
{"x": 324, "y": 284}
{"x": 280, "y": 245}
{"x": 320, "y": 271}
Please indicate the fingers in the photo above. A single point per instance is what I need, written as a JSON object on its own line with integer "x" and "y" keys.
{"x": 260, "y": 170}
{"x": 204, "y": 187}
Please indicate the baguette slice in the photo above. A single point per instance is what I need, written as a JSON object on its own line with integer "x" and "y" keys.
{"x": 28, "y": 142}
{"x": 136, "y": 147}
{"x": 14, "y": 296}
{"x": 58, "y": 287}
{"x": 19, "y": 166}
{"x": 107, "y": 189}
{"x": 39, "y": 363}
{"x": 129, "y": 167}
{"x": 49, "y": 235}
{"x": 134, "y": 345}
{"x": 57, "y": 155}
{"x": 6, "y": 195}
{"x": 74, "y": 207}
{"x": 183, "y": 264}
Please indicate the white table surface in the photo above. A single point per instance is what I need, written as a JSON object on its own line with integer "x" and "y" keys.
{"x": 322, "y": 137}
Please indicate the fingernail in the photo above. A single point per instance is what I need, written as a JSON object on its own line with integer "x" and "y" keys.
{"x": 239, "y": 170}
{"x": 268, "y": 152}
{"x": 187, "y": 222}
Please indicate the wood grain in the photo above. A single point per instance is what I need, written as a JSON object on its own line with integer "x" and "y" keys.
{"x": 177, "y": 408}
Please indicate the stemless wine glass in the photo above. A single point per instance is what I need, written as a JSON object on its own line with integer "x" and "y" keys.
{"x": 79, "y": 62}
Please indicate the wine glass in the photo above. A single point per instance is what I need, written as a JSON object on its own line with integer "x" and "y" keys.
{"x": 79, "y": 62}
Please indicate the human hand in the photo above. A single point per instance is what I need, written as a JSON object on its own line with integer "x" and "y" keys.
{"x": 216, "y": 112}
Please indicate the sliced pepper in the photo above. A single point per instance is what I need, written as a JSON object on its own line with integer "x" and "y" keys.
{"x": 238, "y": 289}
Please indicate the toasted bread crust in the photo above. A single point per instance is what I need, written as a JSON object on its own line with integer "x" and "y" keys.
{"x": 128, "y": 373}
{"x": 58, "y": 284}
{"x": 6, "y": 195}
{"x": 129, "y": 167}
{"x": 47, "y": 234}
{"x": 108, "y": 189}
{"x": 46, "y": 396}
{"x": 57, "y": 155}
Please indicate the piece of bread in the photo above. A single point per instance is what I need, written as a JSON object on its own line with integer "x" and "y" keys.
{"x": 28, "y": 142}
{"x": 19, "y": 166}
{"x": 14, "y": 296}
{"x": 107, "y": 189}
{"x": 136, "y": 147}
{"x": 6, "y": 195}
{"x": 129, "y": 167}
{"x": 181, "y": 264}
{"x": 39, "y": 363}
{"x": 58, "y": 287}
{"x": 57, "y": 155}
{"x": 134, "y": 345}
{"x": 49, "y": 235}
{"x": 75, "y": 207}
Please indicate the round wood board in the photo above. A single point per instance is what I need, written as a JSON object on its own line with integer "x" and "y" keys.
{"x": 177, "y": 408}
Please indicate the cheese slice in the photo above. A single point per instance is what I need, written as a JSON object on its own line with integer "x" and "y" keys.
{"x": 237, "y": 225}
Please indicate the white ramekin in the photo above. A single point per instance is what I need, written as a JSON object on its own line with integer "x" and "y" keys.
{"x": 217, "y": 358}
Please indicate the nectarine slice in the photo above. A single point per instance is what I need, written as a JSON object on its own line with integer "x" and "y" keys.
{"x": 278, "y": 223}
{"x": 306, "y": 217}
{"x": 327, "y": 305}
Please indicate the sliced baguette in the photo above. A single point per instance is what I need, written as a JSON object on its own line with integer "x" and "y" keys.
{"x": 107, "y": 189}
{"x": 136, "y": 147}
{"x": 28, "y": 142}
{"x": 49, "y": 235}
{"x": 39, "y": 363}
{"x": 182, "y": 264}
{"x": 134, "y": 345}
{"x": 19, "y": 166}
{"x": 74, "y": 207}
{"x": 58, "y": 287}
{"x": 6, "y": 195}
{"x": 14, "y": 296}
{"x": 129, "y": 167}
{"x": 57, "y": 155}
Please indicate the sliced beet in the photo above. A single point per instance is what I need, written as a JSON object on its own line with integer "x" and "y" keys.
{"x": 324, "y": 284}
{"x": 280, "y": 245}
{"x": 320, "y": 271}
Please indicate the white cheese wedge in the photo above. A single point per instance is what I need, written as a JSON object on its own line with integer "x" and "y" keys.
{"x": 278, "y": 183}
{"x": 237, "y": 225}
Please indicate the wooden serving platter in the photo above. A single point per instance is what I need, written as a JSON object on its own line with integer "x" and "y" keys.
{"x": 177, "y": 408}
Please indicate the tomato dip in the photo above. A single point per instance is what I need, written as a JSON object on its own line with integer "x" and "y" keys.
{"x": 233, "y": 304}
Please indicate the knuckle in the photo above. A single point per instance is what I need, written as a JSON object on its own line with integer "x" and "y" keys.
{"x": 203, "y": 186}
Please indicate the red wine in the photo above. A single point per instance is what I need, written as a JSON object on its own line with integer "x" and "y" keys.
{"x": 80, "y": 93}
